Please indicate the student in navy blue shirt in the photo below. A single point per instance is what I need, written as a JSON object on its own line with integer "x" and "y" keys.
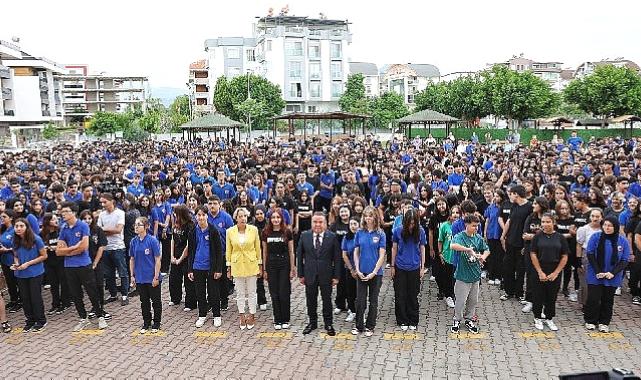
{"x": 73, "y": 245}
{"x": 223, "y": 189}
{"x": 220, "y": 219}
{"x": 408, "y": 259}
{"x": 6, "y": 258}
{"x": 161, "y": 225}
{"x": 136, "y": 188}
{"x": 369, "y": 258}
{"x": 493, "y": 229}
{"x": 29, "y": 253}
{"x": 144, "y": 266}
{"x": 347, "y": 247}
{"x": 206, "y": 265}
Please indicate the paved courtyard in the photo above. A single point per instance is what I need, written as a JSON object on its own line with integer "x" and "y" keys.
{"x": 507, "y": 348}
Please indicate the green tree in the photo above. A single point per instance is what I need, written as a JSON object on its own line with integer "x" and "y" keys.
{"x": 353, "y": 99}
{"x": 50, "y": 132}
{"x": 608, "y": 92}
{"x": 431, "y": 98}
{"x": 230, "y": 97}
{"x": 180, "y": 111}
{"x": 387, "y": 108}
{"x": 104, "y": 123}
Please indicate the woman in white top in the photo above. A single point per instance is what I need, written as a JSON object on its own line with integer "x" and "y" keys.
{"x": 583, "y": 235}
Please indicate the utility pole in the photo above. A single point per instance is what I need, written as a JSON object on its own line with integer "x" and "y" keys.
{"x": 249, "y": 115}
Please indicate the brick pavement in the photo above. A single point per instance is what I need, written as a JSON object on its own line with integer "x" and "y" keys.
{"x": 507, "y": 348}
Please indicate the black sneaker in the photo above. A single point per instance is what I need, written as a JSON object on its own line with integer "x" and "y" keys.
{"x": 106, "y": 315}
{"x": 28, "y": 327}
{"x": 155, "y": 327}
{"x": 224, "y": 307}
{"x": 636, "y": 300}
{"x": 61, "y": 309}
{"x": 38, "y": 327}
{"x": 133, "y": 293}
{"x": 124, "y": 301}
{"x": 15, "y": 308}
{"x": 472, "y": 327}
{"x": 455, "y": 327}
{"x": 53, "y": 310}
{"x": 566, "y": 293}
{"x": 111, "y": 299}
{"x": 91, "y": 314}
{"x": 439, "y": 297}
{"x": 505, "y": 297}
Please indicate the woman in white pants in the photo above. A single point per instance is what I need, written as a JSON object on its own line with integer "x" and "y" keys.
{"x": 244, "y": 263}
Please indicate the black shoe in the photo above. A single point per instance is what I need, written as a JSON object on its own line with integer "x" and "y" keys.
{"x": 53, "y": 310}
{"x": 439, "y": 297}
{"x": 155, "y": 326}
{"x": 106, "y": 315}
{"x": 133, "y": 293}
{"x": 61, "y": 309}
{"x": 111, "y": 299}
{"x": 224, "y": 307}
{"x": 472, "y": 327}
{"x": 124, "y": 301}
{"x": 28, "y": 327}
{"x": 38, "y": 327}
{"x": 91, "y": 314}
{"x": 15, "y": 308}
{"x": 566, "y": 292}
{"x": 309, "y": 328}
{"x": 455, "y": 327}
{"x": 330, "y": 330}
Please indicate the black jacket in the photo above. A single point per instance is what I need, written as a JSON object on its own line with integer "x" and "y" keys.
{"x": 321, "y": 267}
{"x": 216, "y": 255}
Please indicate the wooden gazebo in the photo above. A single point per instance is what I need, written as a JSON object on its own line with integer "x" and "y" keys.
{"x": 305, "y": 116}
{"x": 556, "y": 122}
{"x": 427, "y": 118}
{"x": 214, "y": 122}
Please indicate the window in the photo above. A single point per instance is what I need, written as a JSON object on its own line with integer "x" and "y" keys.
{"x": 337, "y": 89}
{"x": 312, "y": 109}
{"x": 295, "y": 90}
{"x": 314, "y": 50}
{"x": 368, "y": 89}
{"x": 335, "y": 50}
{"x": 292, "y": 108}
{"x": 233, "y": 52}
{"x": 233, "y": 72}
{"x": 251, "y": 55}
{"x": 314, "y": 89}
{"x": 294, "y": 48}
{"x": 268, "y": 46}
{"x": 336, "y": 70}
{"x": 315, "y": 70}
{"x": 295, "y": 69}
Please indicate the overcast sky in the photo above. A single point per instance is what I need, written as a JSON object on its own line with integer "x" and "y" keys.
{"x": 160, "y": 38}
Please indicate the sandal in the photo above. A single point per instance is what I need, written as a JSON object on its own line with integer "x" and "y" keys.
{"x": 6, "y": 327}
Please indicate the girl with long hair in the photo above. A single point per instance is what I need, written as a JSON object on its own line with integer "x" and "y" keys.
{"x": 6, "y": 259}
{"x": 183, "y": 228}
{"x": 54, "y": 266}
{"x": 97, "y": 245}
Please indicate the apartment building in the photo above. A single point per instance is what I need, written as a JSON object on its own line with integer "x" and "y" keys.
{"x": 371, "y": 77}
{"x": 407, "y": 79}
{"x": 85, "y": 93}
{"x": 551, "y": 72}
{"x": 30, "y": 94}
{"x": 587, "y": 68}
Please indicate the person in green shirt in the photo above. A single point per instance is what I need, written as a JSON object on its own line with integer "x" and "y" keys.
{"x": 444, "y": 241}
{"x": 473, "y": 251}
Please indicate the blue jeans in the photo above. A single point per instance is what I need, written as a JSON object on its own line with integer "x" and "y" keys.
{"x": 112, "y": 261}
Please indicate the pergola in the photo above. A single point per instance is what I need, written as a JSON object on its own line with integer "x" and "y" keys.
{"x": 426, "y": 118}
{"x": 337, "y": 115}
{"x": 557, "y": 122}
{"x": 627, "y": 119}
{"x": 214, "y": 122}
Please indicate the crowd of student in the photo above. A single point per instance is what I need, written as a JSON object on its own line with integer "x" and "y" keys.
{"x": 217, "y": 218}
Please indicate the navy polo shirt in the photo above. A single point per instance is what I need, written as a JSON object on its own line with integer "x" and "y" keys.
{"x": 408, "y": 256}
{"x": 201, "y": 258}
{"x": 71, "y": 236}
{"x": 369, "y": 244}
{"x": 6, "y": 239}
{"x": 25, "y": 255}
{"x": 144, "y": 253}
{"x": 348, "y": 246}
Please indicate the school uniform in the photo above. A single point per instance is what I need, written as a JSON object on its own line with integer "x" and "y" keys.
{"x": 30, "y": 283}
{"x": 369, "y": 244}
{"x": 407, "y": 280}
{"x": 205, "y": 259}
{"x": 549, "y": 250}
{"x": 143, "y": 252}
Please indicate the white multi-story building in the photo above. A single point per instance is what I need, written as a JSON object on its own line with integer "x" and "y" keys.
{"x": 84, "y": 94}
{"x": 588, "y": 68}
{"x": 199, "y": 84}
{"x": 408, "y": 79}
{"x": 371, "y": 78}
{"x": 30, "y": 94}
{"x": 551, "y": 72}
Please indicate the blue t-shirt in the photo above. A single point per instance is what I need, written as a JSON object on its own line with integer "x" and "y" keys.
{"x": 455, "y": 179}
{"x": 622, "y": 252}
{"x": 71, "y": 236}
{"x": 6, "y": 239}
{"x": 348, "y": 246}
{"x": 305, "y": 186}
{"x": 575, "y": 142}
{"x": 225, "y": 191}
{"x": 408, "y": 255}
{"x": 201, "y": 258}
{"x": 222, "y": 221}
{"x": 144, "y": 253}
{"x": 369, "y": 244}
{"x": 492, "y": 214}
{"x": 137, "y": 191}
{"x": 25, "y": 255}
{"x": 159, "y": 214}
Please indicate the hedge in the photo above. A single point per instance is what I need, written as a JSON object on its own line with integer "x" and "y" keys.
{"x": 526, "y": 134}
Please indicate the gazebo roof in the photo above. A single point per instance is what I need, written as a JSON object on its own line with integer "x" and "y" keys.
{"x": 336, "y": 115}
{"x": 213, "y": 121}
{"x": 427, "y": 116}
{"x": 626, "y": 118}
{"x": 557, "y": 119}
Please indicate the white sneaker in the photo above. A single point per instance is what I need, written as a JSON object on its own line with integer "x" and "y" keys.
{"x": 218, "y": 321}
{"x": 403, "y": 327}
{"x": 143, "y": 330}
{"x": 497, "y": 282}
{"x": 543, "y": 315}
{"x": 538, "y": 324}
{"x": 527, "y": 308}
{"x": 387, "y": 266}
{"x": 47, "y": 286}
{"x": 412, "y": 328}
{"x": 263, "y": 307}
{"x": 285, "y": 325}
{"x": 490, "y": 282}
{"x": 82, "y": 324}
{"x": 617, "y": 292}
{"x": 355, "y": 331}
{"x": 574, "y": 296}
{"x": 337, "y": 311}
{"x": 484, "y": 274}
{"x": 171, "y": 303}
{"x": 186, "y": 309}
{"x": 604, "y": 328}
{"x": 102, "y": 323}
{"x": 450, "y": 302}
{"x": 368, "y": 332}
{"x": 277, "y": 326}
{"x": 432, "y": 278}
{"x": 551, "y": 325}
{"x": 590, "y": 326}
{"x": 200, "y": 321}
{"x": 350, "y": 316}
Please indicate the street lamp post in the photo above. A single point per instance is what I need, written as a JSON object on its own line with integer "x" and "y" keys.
{"x": 249, "y": 115}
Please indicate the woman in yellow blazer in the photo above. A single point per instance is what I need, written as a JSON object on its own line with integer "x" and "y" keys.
{"x": 244, "y": 264}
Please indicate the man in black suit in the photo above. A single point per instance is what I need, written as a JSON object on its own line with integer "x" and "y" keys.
{"x": 318, "y": 255}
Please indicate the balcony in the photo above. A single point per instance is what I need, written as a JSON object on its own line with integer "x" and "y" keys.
{"x": 202, "y": 94}
{"x": 204, "y": 81}
{"x": 46, "y": 113}
{"x": 5, "y": 73}
{"x": 9, "y": 113}
{"x": 7, "y": 94}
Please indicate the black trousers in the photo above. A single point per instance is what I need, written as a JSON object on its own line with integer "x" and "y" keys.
{"x": 55, "y": 269}
{"x": 79, "y": 278}
{"x": 513, "y": 271}
{"x": 406, "y": 287}
{"x": 99, "y": 273}
{"x": 311, "y": 295}
{"x": 260, "y": 292}
{"x": 444, "y": 275}
{"x": 149, "y": 296}
{"x": 178, "y": 277}
{"x": 207, "y": 292}
{"x": 32, "y": 303}
{"x": 280, "y": 289}
{"x": 12, "y": 284}
{"x": 165, "y": 258}
{"x": 635, "y": 277}
{"x": 226, "y": 287}
{"x": 364, "y": 289}
{"x": 571, "y": 270}
{"x": 495, "y": 259}
{"x": 350, "y": 292}
{"x": 321, "y": 203}
{"x": 598, "y": 308}
{"x": 544, "y": 293}
{"x": 341, "y": 294}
